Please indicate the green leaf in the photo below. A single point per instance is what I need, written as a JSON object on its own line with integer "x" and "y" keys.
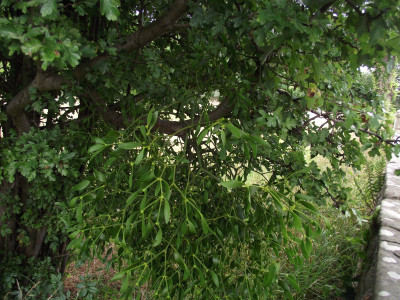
{"x": 143, "y": 203}
{"x": 152, "y": 119}
{"x": 73, "y": 201}
{"x": 48, "y": 7}
{"x": 232, "y": 184}
{"x": 150, "y": 116}
{"x": 223, "y": 137}
{"x": 204, "y": 225}
{"x": 131, "y": 198}
{"x": 32, "y": 46}
{"x": 178, "y": 257}
{"x": 296, "y": 221}
{"x": 306, "y": 247}
{"x": 99, "y": 176}
{"x": 73, "y": 235}
{"x": 79, "y": 212}
{"x": 129, "y": 145}
{"x": 167, "y": 211}
{"x": 130, "y": 180}
{"x": 214, "y": 278}
{"x": 202, "y": 135}
{"x": 82, "y": 185}
{"x": 96, "y": 147}
{"x": 235, "y": 131}
{"x": 76, "y": 243}
{"x": 98, "y": 140}
{"x": 192, "y": 229}
{"x": 186, "y": 274}
{"x": 167, "y": 190}
{"x": 139, "y": 158}
{"x": 118, "y": 276}
{"x": 309, "y": 206}
{"x": 157, "y": 240}
{"x": 109, "y": 8}
{"x": 293, "y": 282}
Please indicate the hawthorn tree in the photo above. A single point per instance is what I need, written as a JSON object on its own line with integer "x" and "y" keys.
{"x": 138, "y": 123}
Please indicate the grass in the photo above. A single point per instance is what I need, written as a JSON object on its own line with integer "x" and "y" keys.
{"x": 338, "y": 254}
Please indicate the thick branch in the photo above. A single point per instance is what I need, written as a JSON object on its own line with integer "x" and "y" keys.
{"x": 180, "y": 128}
{"x": 142, "y": 37}
{"x": 42, "y": 82}
{"x": 155, "y": 30}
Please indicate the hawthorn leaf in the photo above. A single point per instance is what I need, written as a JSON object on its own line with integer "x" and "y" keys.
{"x": 48, "y": 8}
{"x": 109, "y": 8}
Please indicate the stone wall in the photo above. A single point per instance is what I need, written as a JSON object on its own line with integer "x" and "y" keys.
{"x": 382, "y": 279}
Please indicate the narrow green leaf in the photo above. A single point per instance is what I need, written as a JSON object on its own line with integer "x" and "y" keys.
{"x": 293, "y": 282}
{"x": 303, "y": 249}
{"x": 131, "y": 179}
{"x": 186, "y": 274}
{"x": 232, "y": 184}
{"x": 75, "y": 243}
{"x": 109, "y": 162}
{"x": 296, "y": 221}
{"x": 178, "y": 257}
{"x": 98, "y": 140}
{"x": 131, "y": 198}
{"x": 118, "y": 276}
{"x": 139, "y": 158}
{"x": 96, "y": 147}
{"x": 129, "y": 145}
{"x": 167, "y": 211}
{"x": 235, "y": 131}
{"x": 192, "y": 229}
{"x": 73, "y": 201}
{"x": 308, "y": 245}
{"x": 143, "y": 131}
{"x": 202, "y": 135}
{"x": 150, "y": 116}
{"x": 214, "y": 277}
{"x": 167, "y": 190}
{"x": 143, "y": 203}
{"x": 309, "y": 206}
{"x": 157, "y": 240}
{"x": 125, "y": 284}
{"x": 79, "y": 212}
{"x": 129, "y": 222}
{"x": 99, "y": 176}
{"x": 204, "y": 225}
{"x": 223, "y": 137}
{"x": 73, "y": 235}
{"x": 82, "y": 185}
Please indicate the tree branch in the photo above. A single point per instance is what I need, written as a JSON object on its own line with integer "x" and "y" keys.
{"x": 354, "y": 6}
{"x": 389, "y": 142}
{"x": 180, "y": 128}
{"x": 46, "y": 81}
{"x": 177, "y": 128}
{"x": 142, "y": 37}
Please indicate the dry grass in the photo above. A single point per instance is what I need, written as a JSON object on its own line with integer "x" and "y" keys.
{"x": 94, "y": 271}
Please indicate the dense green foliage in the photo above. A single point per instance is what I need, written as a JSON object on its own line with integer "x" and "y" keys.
{"x": 138, "y": 124}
